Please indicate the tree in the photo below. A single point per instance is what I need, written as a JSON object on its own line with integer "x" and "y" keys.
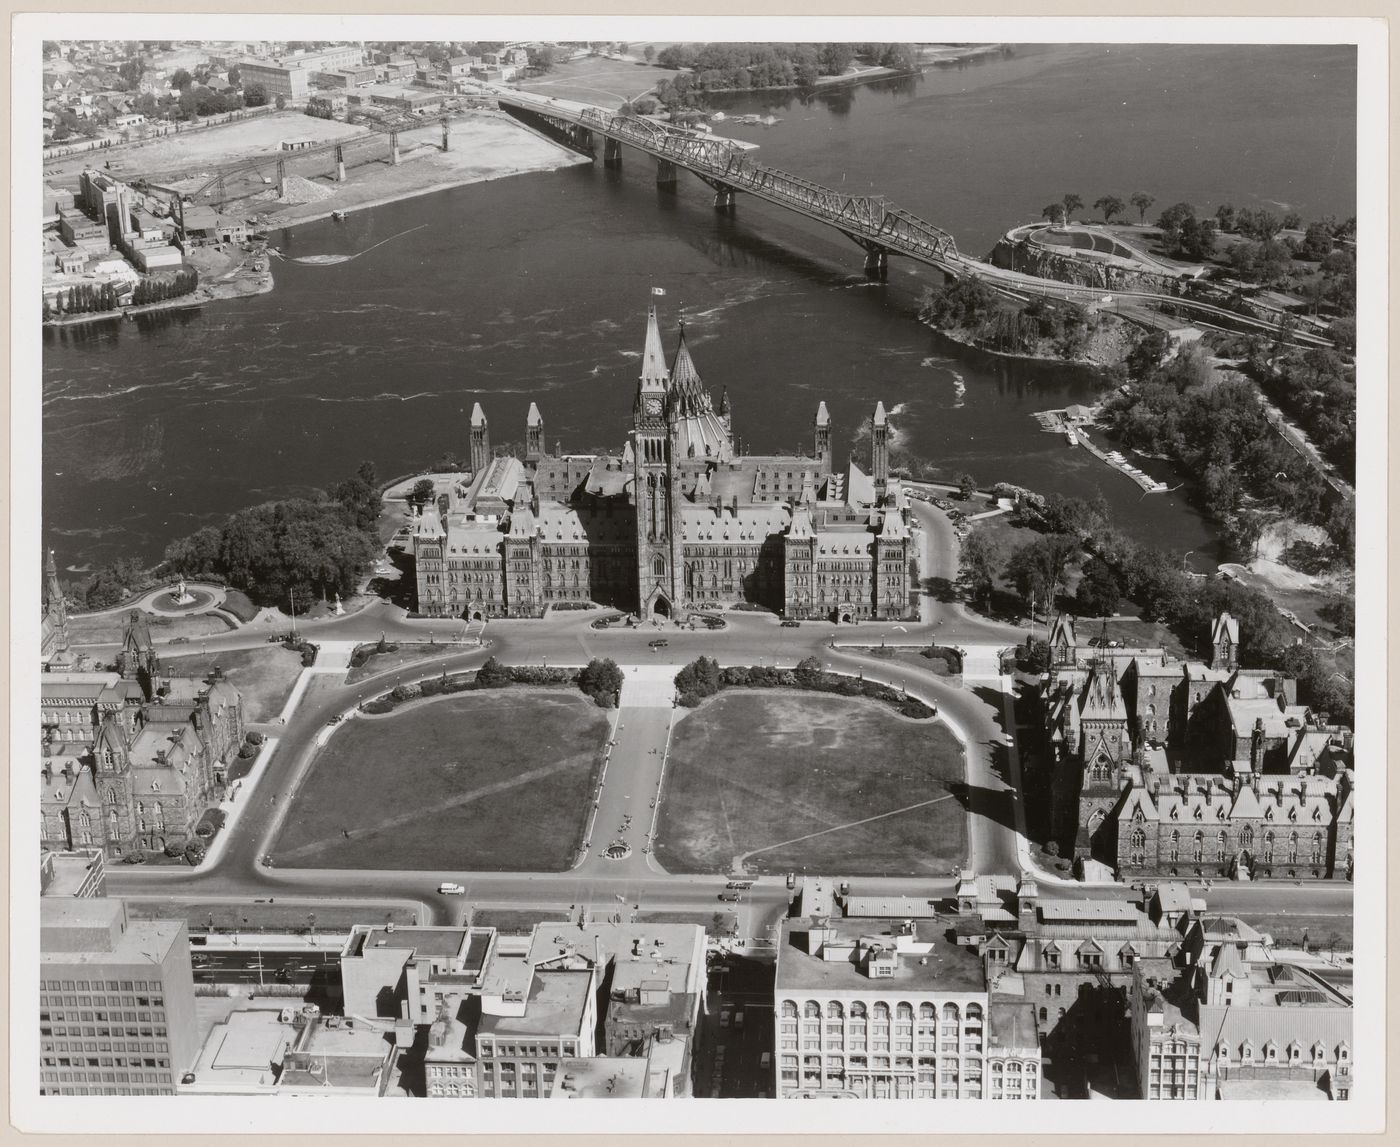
{"x": 280, "y": 102}
{"x": 1053, "y": 212}
{"x": 422, "y": 492}
{"x": 542, "y": 58}
{"x": 1110, "y": 205}
{"x": 492, "y": 675}
{"x": 1292, "y": 221}
{"x": 700, "y": 678}
{"x": 131, "y": 72}
{"x": 1099, "y": 590}
{"x": 601, "y": 679}
{"x": 181, "y": 79}
{"x": 254, "y": 95}
{"x": 1072, "y": 204}
{"x": 649, "y": 53}
{"x": 967, "y": 486}
{"x": 978, "y": 563}
{"x": 1142, "y": 201}
{"x": 235, "y": 73}
{"x": 1037, "y": 569}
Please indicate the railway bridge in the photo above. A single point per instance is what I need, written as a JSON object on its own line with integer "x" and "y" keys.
{"x": 880, "y": 228}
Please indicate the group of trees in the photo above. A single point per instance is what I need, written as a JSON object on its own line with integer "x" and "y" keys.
{"x": 83, "y": 299}
{"x": 111, "y": 584}
{"x": 1040, "y": 327}
{"x": 1214, "y": 427}
{"x": 725, "y": 66}
{"x": 1317, "y": 388}
{"x": 1107, "y": 205}
{"x": 302, "y": 549}
{"x": 157, "y": 290}
{"x": 1112, "y": 567}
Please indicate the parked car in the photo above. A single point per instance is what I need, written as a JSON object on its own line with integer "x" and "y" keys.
{"x": 659, "y": 643}
{"x": 729, "y": 897}
{"x": 337, "y": 719}
{"x": 791, "y": 624}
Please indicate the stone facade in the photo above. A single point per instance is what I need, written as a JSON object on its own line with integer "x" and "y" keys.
{"x": 1165, "y": 767}
{"x": 677, "y": 521}
{"x": 132, "y": 759}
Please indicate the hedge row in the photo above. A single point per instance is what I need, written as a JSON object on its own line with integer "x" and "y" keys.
{"x": 492, "y": 675}
{"x": 703, "y": 678}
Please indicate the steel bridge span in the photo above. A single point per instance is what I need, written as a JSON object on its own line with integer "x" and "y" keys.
{"x": 870, "y": 221}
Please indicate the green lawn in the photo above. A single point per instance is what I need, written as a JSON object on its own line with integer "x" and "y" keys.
{"x": 478, "y": 782}
{"x": 264, "y": 675}
{"x": 754, "y": 776}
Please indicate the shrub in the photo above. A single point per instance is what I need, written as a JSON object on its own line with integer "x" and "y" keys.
{"x": 601, "y": 676}
{"x": 405, "y": 692}
{"x": 308, "y": 656}
{"x": 603, "y": 699}
{"x": 916, "y": 709}
{"x": 690, "y": 700}
{"x": 174, "y": 848}
{"x": 256, "y": 738}
{"x": 492, "y": 675}
{"x": 247, "y": 751}
{"x": 134, "y": 858}
{"x": 701, "y": 677}
{"x": 194, "y": 851}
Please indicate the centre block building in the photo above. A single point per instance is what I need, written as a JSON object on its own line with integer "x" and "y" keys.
{"x": 678, "y": 520}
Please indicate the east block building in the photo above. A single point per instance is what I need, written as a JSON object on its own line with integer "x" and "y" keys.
{"x": 1184, "y": 768}
{"x": 678, "y": 520}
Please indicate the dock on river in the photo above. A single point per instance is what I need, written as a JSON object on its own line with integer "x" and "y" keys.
{"x": 1072, "y": 423}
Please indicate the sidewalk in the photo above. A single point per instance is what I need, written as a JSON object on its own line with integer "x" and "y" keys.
{"x": 232, "y": 806}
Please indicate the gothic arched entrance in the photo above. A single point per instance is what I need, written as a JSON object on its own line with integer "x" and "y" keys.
{"x": 660, "y": 606}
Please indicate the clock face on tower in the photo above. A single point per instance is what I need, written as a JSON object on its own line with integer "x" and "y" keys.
{"x": 653, "y": 405}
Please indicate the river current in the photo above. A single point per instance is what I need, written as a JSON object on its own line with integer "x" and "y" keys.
{"x": 535, "y": 288}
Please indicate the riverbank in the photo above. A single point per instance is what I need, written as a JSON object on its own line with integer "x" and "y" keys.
{"x": 239, "y": 283}
{"x": 487, "y": 146}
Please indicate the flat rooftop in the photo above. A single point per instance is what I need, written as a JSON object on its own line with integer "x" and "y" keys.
{"x": 441, "y": 942}
{"x": 555, "y": 1006}
{"x": 933, "y": 963}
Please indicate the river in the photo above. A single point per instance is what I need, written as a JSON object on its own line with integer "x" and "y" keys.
{"x": 535, "y": 287}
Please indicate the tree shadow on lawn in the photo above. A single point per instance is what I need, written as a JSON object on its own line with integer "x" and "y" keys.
{"x": 940, "y": 589}
{"x": 402, "y": 592}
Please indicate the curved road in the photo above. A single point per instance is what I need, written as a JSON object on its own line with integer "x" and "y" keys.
{"x": 567, "y": 639}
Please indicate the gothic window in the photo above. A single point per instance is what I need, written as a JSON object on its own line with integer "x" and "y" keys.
{"x": 1268, "y": 848}
{"x": 1198, "y": 845}
{"x": 1222, "y": 845}
{"x": 1292, "y": 847}
{"x": 1174, "y": 846}
{"x": 1246, "y": 837}
{"x": 1139, "y": 846}
{"x": 1317, "y": 848}
{"x": 658, "y": 566}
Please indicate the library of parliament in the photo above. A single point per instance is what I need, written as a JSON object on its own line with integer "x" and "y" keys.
{"x": 677, "y": 521}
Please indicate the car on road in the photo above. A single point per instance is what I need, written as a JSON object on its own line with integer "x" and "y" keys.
{"x": 738, "y": 1018}
{"x": 729, "y": 897}
{"x": 337, "y": 719}
{"x": 659, "y": 643}
{"x": 741, "y": 885}
{"x": 724, "y": 1023}
{"x": 790, "y": 624}
{"x": 447, "y": 888}
{"x": 765, "y": 1061}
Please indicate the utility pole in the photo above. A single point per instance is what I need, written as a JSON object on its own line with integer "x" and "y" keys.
{"x": 292, "y": 601}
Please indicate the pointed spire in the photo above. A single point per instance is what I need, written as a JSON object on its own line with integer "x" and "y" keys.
{"x": 685, "y": 380}
{"x": 879, "y": 413}
{"x": 724, "y": 407}
{"x": 478, "y": 415}
{"x": 823, "y": 418}
{"x": 532, "y": 418}
{"x": 654, "y": 372}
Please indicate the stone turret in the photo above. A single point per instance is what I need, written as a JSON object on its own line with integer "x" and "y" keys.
{"x": 821, "y": 444}
{"x": 480, "y": 440}
{"x": 534, "y": 434}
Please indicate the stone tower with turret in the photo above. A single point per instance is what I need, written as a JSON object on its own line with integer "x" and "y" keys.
{"x": 880, "y": 449}
{"x": 821, "y": 436}
{"x": 655, "y": 493}
{"x": 480, "y": 440}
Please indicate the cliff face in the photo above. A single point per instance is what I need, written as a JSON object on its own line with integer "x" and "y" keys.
{"x": 1031, "y": 259}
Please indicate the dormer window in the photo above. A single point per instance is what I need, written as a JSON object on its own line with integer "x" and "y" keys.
{"x": 1052, "y": 959}
{"x": 1247, "y": 1052}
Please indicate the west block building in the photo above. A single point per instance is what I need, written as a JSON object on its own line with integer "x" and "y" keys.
{"x": 131, "y": 758}
{"x": 677, "y": 520}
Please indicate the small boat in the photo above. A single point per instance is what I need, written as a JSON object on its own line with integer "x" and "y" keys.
{"x": 338, "y": 216}
{"x": 1071, "y": 437}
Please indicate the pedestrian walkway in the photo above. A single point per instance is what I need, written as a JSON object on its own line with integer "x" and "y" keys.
{"x": 334, "y": 656}
{"x": 238, "y": 798}
{"x": 649, "y": 686}
{"x": 982, "y": 662}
